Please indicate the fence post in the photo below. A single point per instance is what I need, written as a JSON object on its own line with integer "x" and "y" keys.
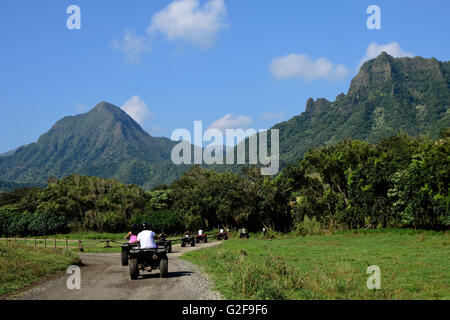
{"x": 35, "y": 242}
{"x": 55, "y": 243}
{"x": 45, "y": 243}
{"x": 79, "y": 245}
{"x": 25, "y": 241}
{"x": 67, "y": 244}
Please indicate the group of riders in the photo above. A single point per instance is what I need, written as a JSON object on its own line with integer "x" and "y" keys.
{"x": 146, "y": 237}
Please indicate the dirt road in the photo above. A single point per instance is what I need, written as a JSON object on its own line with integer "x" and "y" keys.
{"x": 103, "y": 278}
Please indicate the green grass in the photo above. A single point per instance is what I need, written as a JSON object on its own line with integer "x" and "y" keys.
{"x": 414, "y": 265}
{"x": 22, "y": 266}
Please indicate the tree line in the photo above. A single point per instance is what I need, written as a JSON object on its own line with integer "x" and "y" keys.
{"x": 400, "y": 182}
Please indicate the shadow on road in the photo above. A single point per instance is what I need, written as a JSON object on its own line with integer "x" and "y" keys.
{"x": 169, "y": 275}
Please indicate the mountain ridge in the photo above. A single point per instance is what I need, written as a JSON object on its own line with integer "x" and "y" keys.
{"x": 388, "y": 95}
{"x": 104, "y": 142}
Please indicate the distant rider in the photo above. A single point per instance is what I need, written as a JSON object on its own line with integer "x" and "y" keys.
{"x": 146, "y": 237}
{"x": 163, "y": 236}
{"x": 132, "y": 235}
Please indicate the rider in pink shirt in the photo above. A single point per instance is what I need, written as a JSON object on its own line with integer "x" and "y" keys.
{"x": 132, "y": 235}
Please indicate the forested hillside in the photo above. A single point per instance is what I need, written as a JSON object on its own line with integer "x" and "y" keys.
{"x": 105, "y": 142}
{"x": 389, "y": 95}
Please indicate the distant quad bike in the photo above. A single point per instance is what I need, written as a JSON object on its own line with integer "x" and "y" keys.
{"x": 148, "y": 260}
{"x": 188, "y": 240}
{"x": 244, "y": 234}
{"x": 166, "y": 244}
{"x": 201, "y": 238}
{"x": 222, "y": 235}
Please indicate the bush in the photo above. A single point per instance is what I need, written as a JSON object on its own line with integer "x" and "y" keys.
{"x": 170, "y": 222}
{"x": 47, "y": 223}
{"x": 308, "y": 227}
{"x": 25, "y": 224}
{"x": 103, "y": 221}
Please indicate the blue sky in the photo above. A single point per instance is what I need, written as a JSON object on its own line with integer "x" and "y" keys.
{"x": 226, "y": 62}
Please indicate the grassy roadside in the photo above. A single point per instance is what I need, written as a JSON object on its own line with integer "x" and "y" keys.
{"x": 22, "y": 266}
{"x": 414, "y": 265}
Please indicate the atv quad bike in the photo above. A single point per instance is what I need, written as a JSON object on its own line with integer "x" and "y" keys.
{"x": 201, "y": 238}
{"x": 148, "y": 260}
{"x": 244, "y": 234}
{"x": 222, "y": 236}
{"x": 166, "y": 244}
{"x": 188, "y": 240}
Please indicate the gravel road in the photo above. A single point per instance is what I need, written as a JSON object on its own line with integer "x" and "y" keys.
{"x": 103, "y": 278}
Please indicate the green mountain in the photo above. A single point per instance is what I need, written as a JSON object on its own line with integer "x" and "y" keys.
{"x": 105, "y": 142}
{"x": 388, "y": 95}
{"x": 8, "y": 153}
{"x": 7, "y": 186}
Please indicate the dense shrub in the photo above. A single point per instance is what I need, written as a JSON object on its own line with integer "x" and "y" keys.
{"x": 25, "y": 224}
{"x": 308, "y": 226}
{"x": 170, "y": 222}
{"x": 402, "y": 182}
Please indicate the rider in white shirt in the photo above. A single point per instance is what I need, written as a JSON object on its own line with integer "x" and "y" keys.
{"x": 146, "y": 237}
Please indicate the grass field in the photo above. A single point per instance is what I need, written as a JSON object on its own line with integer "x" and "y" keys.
{"x": 22, "y": 266}
{"x": 414, "y": 265}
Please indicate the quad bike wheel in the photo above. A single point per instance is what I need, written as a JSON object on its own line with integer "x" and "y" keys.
{"x": 163, "y": 268}
{"x": 183, "y": 243}
{"x": 124, "y": 258}
{"x": 134, "y": 270}
{"x": 205, "y": 240}
{"x": 169, "y": 250}
{"x": 192, "y": 243}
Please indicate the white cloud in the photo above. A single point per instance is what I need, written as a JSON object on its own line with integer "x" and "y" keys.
{"x": 156, "y": 130}
{"x": 231, "y": 121}
{"x": 375, "y": 49}
{"x": 273, "y": 116}
{"x": 188, "y": 21}
{"x": 80, "y": 107}
{"x": 137, "y": 109}
{"x": 301, "y": 66}
{"x": 132, "y": 46}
